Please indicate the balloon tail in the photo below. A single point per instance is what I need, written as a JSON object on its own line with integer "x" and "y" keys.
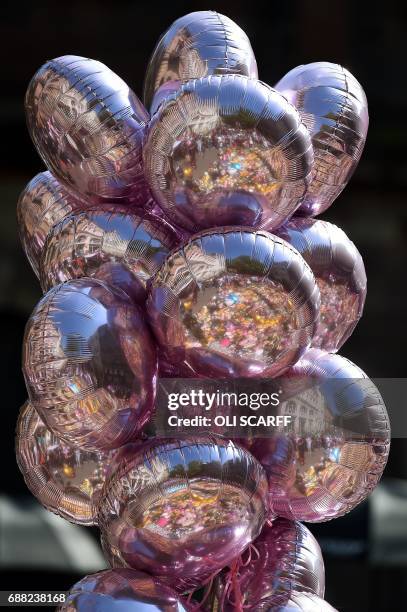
{"x": 196, "y": 607}
{"x": 232, "y": 592}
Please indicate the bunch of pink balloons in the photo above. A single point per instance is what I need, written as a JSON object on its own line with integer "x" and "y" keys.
{"x": 183, "y": 243}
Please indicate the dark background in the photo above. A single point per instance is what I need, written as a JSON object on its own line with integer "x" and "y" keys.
{"x": 368, "y": 39}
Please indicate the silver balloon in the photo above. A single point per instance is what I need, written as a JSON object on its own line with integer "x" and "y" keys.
{"x": 340, "y": 274}
{"x": 119, "y": 246}
{"x": 333, "y": 106}
{"x": 44, "y": 202}
{"x": 233, "y": 302}
{"x": 65, "y": 479}
{"x": 121, "y": 590}
{"x": 197, "y": 45}
{"x": 88, "y": 127}
{"x": 227, "y": 150}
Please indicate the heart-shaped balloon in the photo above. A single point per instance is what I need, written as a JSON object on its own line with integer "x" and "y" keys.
{"x": 66, "y": 479}
{"x": 182, "y": 508}
{"x": 233, "y": 302}
{"x": 227, "y": 150}
{"x": 340, "y": 274}
{"x": 90, "y": 364}
{"x": 122, "y": 590}
{"x": 285, "y": 558}
{"x": 44, "y": 202}
{"x": 196, "y": 45}
{"x": 119, "y": 246}
{"x": 338, "y": 448}
{"x": 88, "y": 127}
{"x": 333, "y": 106}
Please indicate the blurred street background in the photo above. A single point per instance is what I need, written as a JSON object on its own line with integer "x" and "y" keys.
{"x": 365, "y": 552}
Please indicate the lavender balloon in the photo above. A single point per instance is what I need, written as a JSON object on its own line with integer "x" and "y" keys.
{"x": 197, "y": 45}
{"x": 121, "y": 590}
{"x": 44, "y": 202}
{"x": 285, "y": 558}
{"x": 88, "y": 127}
{"x": 333, "y": 106}
{"x": 182, "y": 509}
{"x": 90, "y": 364}
{"x": 233, "y": 303}
{"x": 65, "y": 479}
{"x": 338, "y": 450}
{"x": 119, "y": 246}
{"x": 227, "y": 150}
{"x": 340, "y": 274}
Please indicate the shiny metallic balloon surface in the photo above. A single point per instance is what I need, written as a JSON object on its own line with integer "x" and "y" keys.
{"x": 90, "y": 364}
{"x": 286, "y": 557}
{"x": 333, "y": 106}
{"x": 227, "y": 150}
{"x": 197, "y": 45}
{"x": 340, "y": 274}
{"x": 88, "y": 127}
{"x": 337, "y": 451}
{"x": 65, "y": 479}
{"x": 44, "y": 202}
{"x": 121, "y": 590}
{"x": 233, "y": 302}
{"x": 119, "y": 246}
{"x": 182, "y": 509}
{"x": 299, "y": 602}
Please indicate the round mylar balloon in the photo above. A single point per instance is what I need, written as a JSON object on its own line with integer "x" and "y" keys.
{"x": 286, "y": 557}
{"x": 197, "y": 45}
{"x": 340, "y": 274}
{"x": 333, "y": 106}
{"x": 88, "y": 127}
{"x": 122, "y": 247}
{"x": 90, "y": 364}
{"x": 339, "y": 445}
{"x": 182, "y": 509}
{"x": 121, "y": 590}
{"x": 227, "y": 150}
{"x": 44, "y": 202}
{"x": 233, "y": 303}
{"x": 66, "y": 479}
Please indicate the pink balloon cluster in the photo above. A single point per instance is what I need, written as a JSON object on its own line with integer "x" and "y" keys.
{"x": 172, "y": 245}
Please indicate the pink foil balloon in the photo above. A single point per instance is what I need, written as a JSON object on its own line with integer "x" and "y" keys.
{"x": 233, "y": 303}
{"x": 285, "y": 558}
{"x": 299, "y": 602}
{"x": 182, "y": 509}
{"x": 333, "y": 106}
{"x": 121, "y": 590}
{"x": 306, "y": 602}
{"x": 88, "y": 127}
{"x": 227, "y": 150}
{"x": 65, "y": 479}
{"x": 44, "y": 202}
{"x": 90, "y": 364}
{"x": 119, "y": 246}
{"x": 316, "y": 477}
{"x": 340, "y": 274}
{"x": 197, "y": 45}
